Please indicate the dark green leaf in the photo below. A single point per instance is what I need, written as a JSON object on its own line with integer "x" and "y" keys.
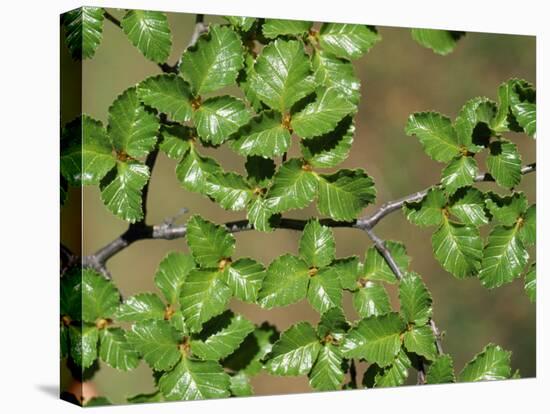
{"x": 441, "y": 371}
{"x": 240, "y": 22}
{"x": 100, "y": 297}
{"x": 331, "y": 71}
{"x": 175, "y": 140}
{"x": 468, "y": 206}
{"x": 460, "y": 172}
{"x": 260, "y": 215}
{"x": 493, "y": 363}
{"x": 349, "y": 41}
{"x": 140, "y": 308}
{"x": 428, "y": 211}
{"x": 229, "y": 190}
{"x": 83, "y": 31}
{"x": 83, "y": 341}
{"x": 421, "y": 341}
{"x": 244, "y": 277}
{"x": 371, "y": 299}
{"x": 330, "y": 149}
{"x": 508, "y": 209}
{"x": 155, "y": 396}
{"x": 327, "y": 372}
{"x": 209, "y": 243}
{"x": 98, "y": 402}
{"x": 168, "y": 94}
{"x": 324, "y": 291}
{"x": 273, "y": 28}
{"x": 504, "y": 163}
{"x": 333, "y": 322}
{"x": 171, "y": 274}
{"x": 396, "y": 373}
{"x": 149, "y": 32}
{"x": 523, "y": 105}
{"x": 260, "y": 170}
{"x": 528, "y": 229}
{"x": 376, "y": 267}
{"x": 474, "y": 112}
{"x": 194, "y": 170}
{"x": 415, "y": 299}
{"x": 115, "y": 350}
{"x": 317, "y": 246}
{"x": 71, "y": 294}
{"x": 347, "y": 271}
{"x": 436, "y": 134}
{"x": 441, "y": 42}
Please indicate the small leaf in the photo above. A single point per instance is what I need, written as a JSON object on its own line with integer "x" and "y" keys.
{"x": 327, "y": 372}
{"x": 273, "y": 28}
{"x": 330, "y": 149}
{"x": 115, "y": 351}
{"x": 217, "y": 118}
{"x": 333, "y": 322}
{"x": 528, "y": 229}
{"x": 171, "y": 274}
{"x": 324, "y": 291}
{"x": 83, "y": 341}
{"x": 468, "y": 206}
{"x": 260, "y": 170}
{"x": 474, "y": 112}
{"x": 376, "y": 267}
{"x": 523, "y": 105}
{"x": 348, "y": 41}
{"x": 508, "y": 209}
{"x": 244, "y": 277}
{"x": 504, "y": 163}
{"x": 149, "y": 32}
{"x": 421, "y": 341}
{"x": 141, "y": 307}
{"x": 347, "y": 271}
{"x": 441, "y": 371}
{"x": 155, "y": 396}
{"x": 100, "y": 297}
{"x": 209, "y": 243}
{"x": 531, "y": 283}
{"x": 83, "y": 31}
{"x": 285, "y": 282}
{"x": 460, "y": 172}
{"x": 331, "y": 71}
{"x": 168, "y": 94}
{"x": 282, "y": 75}
{"x": 376, "y": 339}
{"x": 428, "y": 211}
{"x": 260, "y": 215}
{"x": 415, "y": 299}
{"x": 441, "y": 42}
{"x": 241, "y": 22}
{"x": 229, "y": 190}
{"x": 371, "y": 300}
{"x": 493, "y": 363}
{"x": 70, "y": 298}
{"x": 175, "y": 140}
{"x": 194, "y": 170}
{"x": 295, "y": 352}
{"x": 396, "y": 373}
{"x": 214, "y": 62}
{"x": 317, "y": 246}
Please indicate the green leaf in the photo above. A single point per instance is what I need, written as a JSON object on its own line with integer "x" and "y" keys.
{"x": 175, "y": 140}
{"x": 192, "y": 379}
{"x": 293, "y": 187}
{"x": 286, "y": 282}
{"x": 86, "y": 153}
{"x": 273, "y": 28}
{"x": 531, "y": 283}
{"x": 155, "y": 396}
{"x": 322, "y": 115}
{"x": 260, "y": 215}
{"x": 121, "y": 190}
{"x": 428, "y": 211}
{"x": 194, "y": 170}
{"x": 507, "y": 210}
{"x": 132, "y": 129}
{"x": 264, "y": 136}
{"x": 177, "y": 321}
{"x": 83, "y": 341}
{"x": 217, "y": 118}
{"x": 327, "y": 372}
{"x": 149, "y": 32}
{"x": 115, "y": 350}
{"x": 523, "y": 105}
{"x": 168, "y": 94}
{"x": 229, "y": 190}
{"x": 441, "y": 42}
{"x": 333, "y": 322}
{"x": 324, "y": 291}
{"x": 203, "y": 296}
{"x": 282, "y": 75}
{"x": 83, "y": 31}
{"x": 347, "y": 271}
{"x": 441, "y": 371}
{"x": 436, "y": 134}
{"x": 317, "y": 246}
{"x": 415, "y": 299}
{"x": 331, "y": 71}
{"x": 376, "y": 339}
{"x": 100, "y": 297}
{"x": 460, "y": 172}
{"x": 504, "y": 257}
{"x": 64, "y": 341}
{"x": 458, "y": 248}
{"x": 476, "y": 111}
{"x": 209, "y": 243}
{"x": 295, "y": 352}
{"x": 468, "y": 206}
{"x": 371, "y": 299}
{"x": 240, "y": 385}
{"x": 528, "y": 229}
{"x": 70, "y": 298}
{"x": 260, "y": 170}
{"x": 376, "y": 267}
{"x": 344, "y": 194}
{"x": 493, "y": 363}
{"x": 157, "y": 342}
{"x": 98, "y": 402}
{"x": 241, "y": 22}
{"x": 421, "y": 341}
{"x": 348, "y": 41}
{"x": 223, "y": 335}
{"x": 504, "y": 163}
{"x": 171, "y": 274}
{"x": 501, "y": 120}
{"x": 214, "y": 62}
{"x": 244, "y": 277}
{"x": 396, "y": 373}
{"x": 330, "y": 149}
{"x": 141, "y": 307}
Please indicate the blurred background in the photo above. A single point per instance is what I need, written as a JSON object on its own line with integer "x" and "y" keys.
{"x": 398, "y": 77}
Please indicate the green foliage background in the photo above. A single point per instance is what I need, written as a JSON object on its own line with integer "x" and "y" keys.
{"x": 398, "y": 78}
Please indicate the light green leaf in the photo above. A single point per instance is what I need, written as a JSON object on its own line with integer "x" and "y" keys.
{"x": 371, "y": 299}
{"x": 83, "y": 31}
{"x": 344, "y": 194}
{"x": 264, "y": 136}
{"x": 421, "y": 341}
{"x": 317, "y": 246}
{"x": 428, "y": 211}
{"x": 331, "y": 71}
{"x": 396, "y": 373}
{"x": 504, "y": 163}
{"x": 330, "y": 149}
{"x": 377, "y": 339}
{"x": 141, "y": 307}
{"x": 157, "y": 342}
{"x": 436, "y": 134}
{"x": 376, "y": 267}
{"x": 194, "y": 170}
{"x": 504, "y": 257}
{"x": 121, "y": 190}
{"x": 171, "y": 274}
{"x": 441, "y": 371}
{"x": 493, "y": 363}
{"x": 259, "y": 215}
{"x": 526, "y": 115}
{"x": 502, "y": 117}
{"x": 133, "y": 130}
{"x": 192, "y": 379}
{"x": 240, "y": 385}
{"x": 347, "y": 271}
{"x": 324, "y": 291}
{"x": 294, "y": 186}
{"x": 295, "y": 352}
{"x": 221, "y": 336}
{"x": 475, "y": 111}
{"x": 240, "y": 22}
{"x": 460, "y": 172}
{"x": 149, "y": 32}
{"x": 415, "y": 299}
{"x": 214, "y": 62}
{"x": 348, "y": 41}
{"x": 508, "y": 209}
{"x": 168, "y": 94}
{"x": 458, "y": 248}
{"x": 115, "y": 350}
{"x": 177, "y": 321}
{"x": 441, "y": 42}
{"x": 209, "y": 243}
{"x": 468, "y": 206}
{"x": 286, "y": 282}
{"x": 100, "y": 297}
{"x": 327, "y": 372}
{"x": 217, "y": 118}
{"x": 229, "y": 190}
{"x": 203, "y": 296}
{"x": 175, "y": 140}
{"x": 83, "y": 347}
{"x": 244, "y": 277}
{"x": 531, "y": 283}
{"x": 528, "y": 226}
{"x": 282, "y": 75}
{"x": 322, "y": 115}
{"x": 273, "y": 28}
